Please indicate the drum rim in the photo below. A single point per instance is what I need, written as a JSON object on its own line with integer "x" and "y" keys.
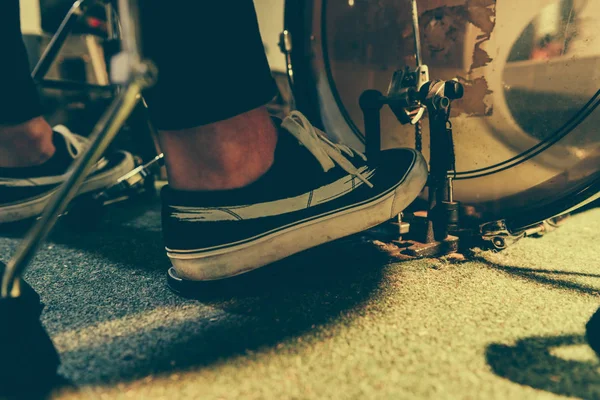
{"x": 533, "y": 214}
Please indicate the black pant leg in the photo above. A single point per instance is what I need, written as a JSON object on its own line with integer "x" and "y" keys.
{"x": 211, "y": 61}
{"x": 19, "y": 99}
{"x": 210, "y": 57}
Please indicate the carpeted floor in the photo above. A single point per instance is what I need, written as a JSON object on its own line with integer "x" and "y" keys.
{"x": 343, "y": 321}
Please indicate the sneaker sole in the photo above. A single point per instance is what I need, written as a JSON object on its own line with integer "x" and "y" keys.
{"x": 238, "y": 259}
{"x": 35, "y": 206}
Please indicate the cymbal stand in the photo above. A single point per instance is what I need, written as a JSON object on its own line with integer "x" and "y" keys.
{"x": 27, "y": 352}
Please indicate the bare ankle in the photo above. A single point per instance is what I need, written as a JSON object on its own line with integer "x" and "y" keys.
{"x": 27, "y": 144}
{"x": 225, "y": 155}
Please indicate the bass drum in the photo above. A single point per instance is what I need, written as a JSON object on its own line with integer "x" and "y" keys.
{"x": 526, "y": 133}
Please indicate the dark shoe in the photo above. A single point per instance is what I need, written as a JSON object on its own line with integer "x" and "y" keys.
{"x": 24, "y": 192}
{"x": 315, "y": 192}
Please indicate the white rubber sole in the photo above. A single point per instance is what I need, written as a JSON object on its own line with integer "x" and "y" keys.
{"x": 238, "y": 259}
{"x": 35, "y": 206}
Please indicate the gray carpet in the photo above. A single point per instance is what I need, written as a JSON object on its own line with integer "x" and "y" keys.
{"x": 347, "y": 320}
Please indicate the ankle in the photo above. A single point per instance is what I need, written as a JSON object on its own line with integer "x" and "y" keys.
{"x": 225, "y": 155}
{"x": 27, "y": 144}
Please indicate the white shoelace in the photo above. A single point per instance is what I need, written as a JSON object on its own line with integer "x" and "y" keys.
{"x": 76, "y": 144}
{"x": 326, "y": 152}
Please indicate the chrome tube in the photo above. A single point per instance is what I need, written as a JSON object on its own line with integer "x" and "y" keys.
{"x": 417, "y": 32}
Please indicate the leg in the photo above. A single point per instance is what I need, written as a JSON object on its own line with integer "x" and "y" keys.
{"x": 244, "y": 192}
{"x": 25, "y": 137}
{"x": 214, "y": 80}
{"x": 227, "y": 154}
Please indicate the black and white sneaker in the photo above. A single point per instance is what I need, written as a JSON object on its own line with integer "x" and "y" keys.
{"x": 315, "y": 192}
{"x": 24, "y": 192}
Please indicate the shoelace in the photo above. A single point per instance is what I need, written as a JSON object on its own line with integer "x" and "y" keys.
{"x": 75, "y": 143}
{"x": 326, "y": 152}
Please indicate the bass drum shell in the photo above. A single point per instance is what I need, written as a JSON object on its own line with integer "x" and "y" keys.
{"x": 526, "y": 133}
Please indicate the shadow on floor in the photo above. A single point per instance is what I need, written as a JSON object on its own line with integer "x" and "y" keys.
{"x": 116, "y": 273}
{"x": 530, "y": 362}
{"x": 125, "y": 234}
{"x": 272, "y": 306}
{"x": 540, "y": 276}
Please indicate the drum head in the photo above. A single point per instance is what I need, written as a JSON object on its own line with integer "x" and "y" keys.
{"x": 526, "y": 132}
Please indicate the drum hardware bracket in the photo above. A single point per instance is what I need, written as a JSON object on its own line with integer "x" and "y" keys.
{"x": 87, "y": 210}
{"x": 496, "y": 235}
{"x": 411, "y": 93}
{"x": 419, "y": 243}
{"x": 419, "y": 136}
{"x": 429, "y": 235}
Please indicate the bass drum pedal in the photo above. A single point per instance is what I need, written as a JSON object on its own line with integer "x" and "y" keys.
{"x": 86, "y": 211}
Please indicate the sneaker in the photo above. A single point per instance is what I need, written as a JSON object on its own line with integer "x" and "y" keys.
{"x": 315, "y": 192}
{"x": 24, "y": 192}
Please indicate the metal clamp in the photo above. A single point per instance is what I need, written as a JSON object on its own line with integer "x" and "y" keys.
{"x": 498, "y": 236}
